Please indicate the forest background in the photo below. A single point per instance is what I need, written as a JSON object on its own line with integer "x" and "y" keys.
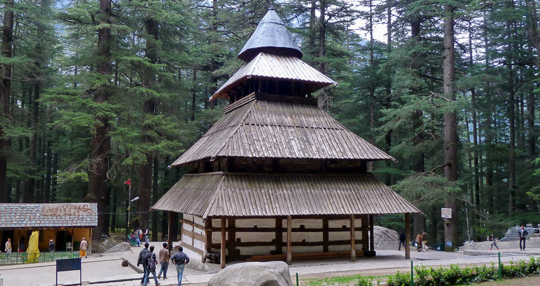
{"x": 97, "y": 92}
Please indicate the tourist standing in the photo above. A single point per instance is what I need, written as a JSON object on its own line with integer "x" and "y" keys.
{"x": 8, "y": 248}
{"x": 150, "y": 258}
{"x": 82, "y": 248}
{"x": 147, "y": 235}
{"x": 51, "y": 248}
{"x": 139, "y": 233}
{"x": 51, "y": 245}
{"x": 522, "y": 237}
{"x": 163, "y": 261}
{"x": 401, "y": 240}
{"x": 180, "y": 259}
{"x": 21, "y": 244}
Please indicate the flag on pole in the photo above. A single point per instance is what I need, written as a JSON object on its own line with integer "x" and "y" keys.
{"x": 128, "y": 182}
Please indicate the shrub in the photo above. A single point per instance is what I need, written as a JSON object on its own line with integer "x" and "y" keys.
{"x": 399, "y": 279}
{"x": 429, "y": 276}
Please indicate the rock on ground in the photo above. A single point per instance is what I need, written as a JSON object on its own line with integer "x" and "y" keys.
{"x": 103, "y": 245}
{"x": 385, "y": 238}
{"x": 121, "y": 247}
{"x": 274, "y": 273}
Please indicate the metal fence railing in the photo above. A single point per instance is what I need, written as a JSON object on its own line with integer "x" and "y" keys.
{"x": 23, "y": 257}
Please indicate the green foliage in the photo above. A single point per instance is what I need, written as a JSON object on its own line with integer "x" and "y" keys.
{"x": 352, "y": 280}
{"x": 455, "y": 275}
{"x": 426, "y": 189}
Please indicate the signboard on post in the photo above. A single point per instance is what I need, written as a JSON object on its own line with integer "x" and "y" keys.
{"x": 446, "y": 212}
{"x": 69, "y": 265}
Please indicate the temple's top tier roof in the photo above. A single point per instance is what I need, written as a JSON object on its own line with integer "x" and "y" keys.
{"x": 270, "y": 36}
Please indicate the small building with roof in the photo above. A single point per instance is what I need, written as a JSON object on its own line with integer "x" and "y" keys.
{"x": 277, "y": 178}
{"x": 65, "y": 223}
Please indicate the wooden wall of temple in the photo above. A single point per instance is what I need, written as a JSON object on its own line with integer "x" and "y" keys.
{"x": 248, "y": 237}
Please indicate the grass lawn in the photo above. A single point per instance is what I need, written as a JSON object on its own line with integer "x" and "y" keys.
{"x": 352, "y": 280}
{"x": 527, "y": 281}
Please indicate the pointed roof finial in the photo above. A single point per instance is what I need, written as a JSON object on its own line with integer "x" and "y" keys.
{"x": 270, "y": 36}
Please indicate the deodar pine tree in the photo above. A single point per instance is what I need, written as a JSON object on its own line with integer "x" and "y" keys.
{"x": 450, "y": 139}
{"x": 5, "y": 95}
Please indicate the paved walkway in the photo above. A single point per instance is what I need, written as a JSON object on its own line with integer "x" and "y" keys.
{"x": 106, "y": 269}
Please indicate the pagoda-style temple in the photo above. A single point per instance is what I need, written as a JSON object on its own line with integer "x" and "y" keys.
{"x": 277, "y": 178}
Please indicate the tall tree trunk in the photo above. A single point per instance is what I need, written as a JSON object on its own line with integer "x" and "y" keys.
{"x": 450, "y": 138}
{"x": 322, "y": 36}
{"x": 372, "y": 85}
{"x": 114, "y": 216}
{"x": 419, "y": 220}
{"x": 388, "y": 135}
{"x": 194, "y": 94}
{"x": 322, "y": 98}
{"x": 312, "y": 27}
{"x": 488, "y": 129}
{"x": 101, "y": 141}
{"x": 214, "y": 63}
{"x": 511, "y": 118}
{"x": 155, "y": 197}
{"x": 149, "y": 110}
{"x": 48, "y": 173}
{"x": 534, "y": 36}
{"x": 5, "y": 96}
{"x": 54, "y": 184}
{"x": 30, "y": 194}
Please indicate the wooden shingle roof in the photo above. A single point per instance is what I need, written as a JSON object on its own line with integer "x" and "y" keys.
{"x": 280, "y": 129}
{"x": 250, "y": 194}
{"x": 270, "y": 35}
{"x": 14, "y": 216}
{"x": 270, "y": 66}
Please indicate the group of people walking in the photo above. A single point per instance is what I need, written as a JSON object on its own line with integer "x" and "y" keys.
{"x": 421, "y": 240}
{"x": 148, "y": 259}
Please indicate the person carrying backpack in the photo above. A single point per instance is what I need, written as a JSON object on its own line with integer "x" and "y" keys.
{"x": 151, "y": 262}
{"x": 142, "y": 261}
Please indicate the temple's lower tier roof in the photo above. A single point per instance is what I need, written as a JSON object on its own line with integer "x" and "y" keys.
{"x": 250, "y": 194}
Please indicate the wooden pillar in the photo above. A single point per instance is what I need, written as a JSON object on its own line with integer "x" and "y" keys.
{"x": 289, "y": 239}
{"x": 325, "y": 234}
{"x": 279, "y": 235}
{"x": 371, "y": 235}
{"x": 223, "y": 241}
{"x": 407, "y": 236}
{"x": 353, "y": 240}
{"x": 232, "y": 237}
{"x": 365, "y": 230}
{"x": 169, "y": 231}
{"x": 208, "y": 232}
{"x": 90, "y": 240}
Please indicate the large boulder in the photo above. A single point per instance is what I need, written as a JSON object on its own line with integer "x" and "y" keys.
{"x": 102, "y": 245}
{"x": 274, "y": 273}
{"x": 385, "y": 238}
{"x": 121, "y": 247}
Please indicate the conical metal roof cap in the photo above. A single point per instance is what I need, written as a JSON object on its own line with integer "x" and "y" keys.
{"x": 271, "y": 36}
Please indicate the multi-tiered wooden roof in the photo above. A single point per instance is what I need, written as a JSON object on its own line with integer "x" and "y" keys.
{"x": 275, "y": 153}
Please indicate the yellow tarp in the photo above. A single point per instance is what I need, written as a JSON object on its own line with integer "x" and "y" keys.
{"x": 33, "y": 249}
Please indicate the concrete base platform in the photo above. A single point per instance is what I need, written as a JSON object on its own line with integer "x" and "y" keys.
{"x": 106, "y": 269}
